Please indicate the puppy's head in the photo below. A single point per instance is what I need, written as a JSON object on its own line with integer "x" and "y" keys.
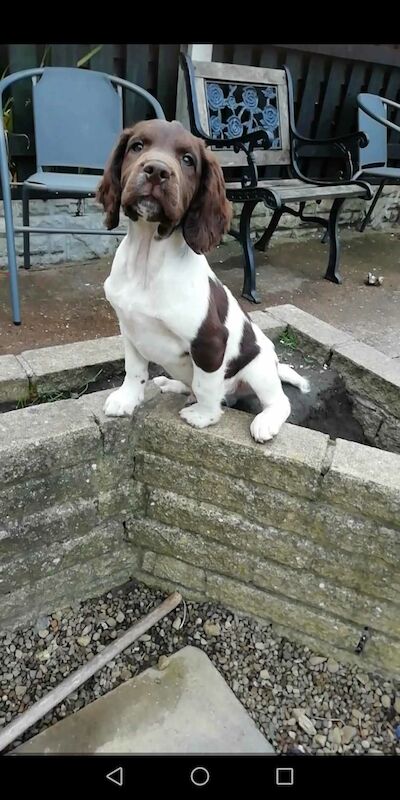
{"x": 160, "y": 172}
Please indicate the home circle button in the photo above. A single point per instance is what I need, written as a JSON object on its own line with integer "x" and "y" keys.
{"x": 200, "y": 776}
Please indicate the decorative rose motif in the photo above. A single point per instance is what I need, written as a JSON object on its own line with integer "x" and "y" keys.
{"x": 215, "y": 96}
{"x": 270, "y": 118}
{"x": 231, "y": 102}
{"x": 269, "y": 92}
{"x": 216, "y": 126}
{"x": 250, "y": 98}
{"x": 235, "y": 127}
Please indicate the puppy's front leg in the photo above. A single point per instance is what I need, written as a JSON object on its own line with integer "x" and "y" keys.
{"x": 124, "y": 400}
{"x": 208, "y": 388}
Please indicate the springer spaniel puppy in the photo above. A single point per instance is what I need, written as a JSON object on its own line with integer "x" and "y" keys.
{"x": 171, "y": 307}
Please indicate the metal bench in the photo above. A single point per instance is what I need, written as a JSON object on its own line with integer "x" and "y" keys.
{"x": 246, "y": 114}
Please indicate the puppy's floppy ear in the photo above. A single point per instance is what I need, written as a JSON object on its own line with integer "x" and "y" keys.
{"x": 109, "y": 189}
{"x": 210, "y": 213}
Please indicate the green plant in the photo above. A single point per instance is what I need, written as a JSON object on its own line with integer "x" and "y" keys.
{"x": 86, "y": 58}
{"x": 7, "y": 108}
{"x": 80, "y": 63}
{"x": 52, "y": 397}
{"x": 288, "y": 339}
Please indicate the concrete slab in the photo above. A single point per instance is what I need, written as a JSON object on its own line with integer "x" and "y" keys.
{"x": 185, "y": 708}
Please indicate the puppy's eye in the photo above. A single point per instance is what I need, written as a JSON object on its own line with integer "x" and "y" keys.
{"x": 188, "y": 160}
{"x": 136, "y": 147}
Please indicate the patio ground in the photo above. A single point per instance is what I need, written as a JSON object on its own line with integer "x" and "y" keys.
{"x": 66, "y": 303}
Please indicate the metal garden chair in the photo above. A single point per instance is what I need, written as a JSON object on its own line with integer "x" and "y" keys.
{"x": 78, "y": 115}
{"x": 372, "y": 119}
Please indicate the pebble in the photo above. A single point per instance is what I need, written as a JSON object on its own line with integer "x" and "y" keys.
{"x": 397, "y": 704}
{"x": 177, "y": 623}
{"x": 120, "y": 617}
{"x": 386, "y": 701}
{"x": 83, "y": 641}
{"x": 320, "y": 740}
{"x": 335, "y": 735}
{"x": 264, "y": 675}
{"x": 315, "y": 661}
{"x": 348, "y": 734}
{"x": 211, "y": 628}
{"x": 332, "y": 666}
{"x": 163, "y": 662}
{"x": 365, "y": 744}
{"x": 43, "y": 633}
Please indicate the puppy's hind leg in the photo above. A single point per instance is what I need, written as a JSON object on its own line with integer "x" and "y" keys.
{"x": 168, "y": 385}
{"x": 289, "y": 375}
{"x": 262, "y": 375}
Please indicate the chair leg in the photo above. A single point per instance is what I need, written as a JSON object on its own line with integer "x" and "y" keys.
{"x": 249, "y": 285}
{"x": 332, "y": 272}
{"x": 325, "y": 237}
{"x": 10, "y": 236}
{"x": 367, "y": 216}
{"x": 25, "y": 221}
{"x": 264, "y": 240}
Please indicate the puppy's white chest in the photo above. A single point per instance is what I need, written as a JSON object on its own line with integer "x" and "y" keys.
{"x": 140, "y": 315}
{"x": 129, "y": 296}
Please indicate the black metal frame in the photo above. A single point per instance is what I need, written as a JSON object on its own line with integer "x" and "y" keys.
{"x": 251, "y": 193}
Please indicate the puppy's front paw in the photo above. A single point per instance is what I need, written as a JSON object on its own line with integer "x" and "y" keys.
{"x": 200, "y": 417}
{"x": 268, "y": 423}
{"x": 121, "y": 403}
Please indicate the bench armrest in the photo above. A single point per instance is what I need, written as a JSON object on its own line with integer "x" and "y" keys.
{"x": 246, "y": 143}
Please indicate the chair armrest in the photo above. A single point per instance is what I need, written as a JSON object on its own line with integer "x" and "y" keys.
{"x": 358, "y": 137}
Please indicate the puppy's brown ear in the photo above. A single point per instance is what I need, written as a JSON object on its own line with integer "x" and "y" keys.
{"x": 109, "y": 189}
{"x": 210, "y": 213}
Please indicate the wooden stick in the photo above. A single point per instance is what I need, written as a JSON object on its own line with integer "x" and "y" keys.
{"x": 53, "y": 698}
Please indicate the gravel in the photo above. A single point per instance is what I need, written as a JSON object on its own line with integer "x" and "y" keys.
{"x": 300, "y": 700}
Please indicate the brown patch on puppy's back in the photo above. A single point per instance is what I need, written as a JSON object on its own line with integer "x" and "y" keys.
{"x": 208, "y": 347}
{"x": 248, "y": 349}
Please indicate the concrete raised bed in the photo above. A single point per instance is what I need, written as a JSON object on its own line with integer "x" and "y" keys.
{"x": 304, "y": 531}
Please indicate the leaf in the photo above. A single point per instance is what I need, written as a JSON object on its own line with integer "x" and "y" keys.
{"x": 47, "y": 50}
{"x": 304, "y": 722}
{"x": 88, "y": 56}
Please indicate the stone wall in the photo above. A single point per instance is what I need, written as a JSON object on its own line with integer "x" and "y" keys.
{"x": 301, "y": 532}
{"x": 61, "y": 248}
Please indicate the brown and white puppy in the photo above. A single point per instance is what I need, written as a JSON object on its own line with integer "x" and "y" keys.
{"x": 171, "y": 307}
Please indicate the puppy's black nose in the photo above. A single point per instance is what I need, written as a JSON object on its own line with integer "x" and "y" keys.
{"x": 156, "y": 172}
